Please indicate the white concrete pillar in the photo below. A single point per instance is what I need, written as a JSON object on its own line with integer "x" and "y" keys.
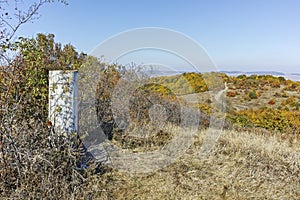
{"x": 63, "y": 102}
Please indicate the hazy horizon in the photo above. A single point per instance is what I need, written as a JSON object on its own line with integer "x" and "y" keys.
{"x": 237, "y": 35}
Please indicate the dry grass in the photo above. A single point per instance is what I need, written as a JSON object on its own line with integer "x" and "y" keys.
{"x": 251, "y": 164}
{"x": 243, "y": 165}
{"x": 240, "y": 102}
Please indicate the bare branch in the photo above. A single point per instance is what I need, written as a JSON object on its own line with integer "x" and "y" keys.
{"x": 12, "y": 17}
{"x": 25, "y": 18}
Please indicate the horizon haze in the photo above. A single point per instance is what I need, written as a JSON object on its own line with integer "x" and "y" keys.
{"x": 237, "y": 35}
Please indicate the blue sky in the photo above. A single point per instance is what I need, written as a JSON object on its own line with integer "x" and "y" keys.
{"x": 244, "y": 35}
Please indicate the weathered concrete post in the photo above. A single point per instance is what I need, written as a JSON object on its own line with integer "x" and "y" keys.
{"x": 63, "y": 102}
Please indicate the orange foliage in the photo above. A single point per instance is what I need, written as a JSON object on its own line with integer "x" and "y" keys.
{"x": 271, "y": 102}
{"x": 231, "y": 94}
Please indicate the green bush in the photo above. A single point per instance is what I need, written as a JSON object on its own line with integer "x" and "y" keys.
{"x": 252, "y": 95}
{"x": 30, "y": 153}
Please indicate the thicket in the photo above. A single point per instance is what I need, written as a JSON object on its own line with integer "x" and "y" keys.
{"x": 127, "y": 98}
{"x": 271, "y": 119}
{"x": 34, "y": 162}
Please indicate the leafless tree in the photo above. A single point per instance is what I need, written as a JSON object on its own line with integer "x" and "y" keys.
{"x": 14, "y": 14}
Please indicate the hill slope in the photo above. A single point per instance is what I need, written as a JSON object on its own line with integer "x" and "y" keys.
{"x": 243, "y": 165}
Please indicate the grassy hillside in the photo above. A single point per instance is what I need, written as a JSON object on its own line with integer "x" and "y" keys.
{"x": 256, "y": 157}
{"x": 251, "y": 164}
{"x": 252, "y": 101}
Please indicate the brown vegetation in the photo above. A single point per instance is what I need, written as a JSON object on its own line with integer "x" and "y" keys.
{"x": 243, "y": 165}
{"x": 257, "y": 158}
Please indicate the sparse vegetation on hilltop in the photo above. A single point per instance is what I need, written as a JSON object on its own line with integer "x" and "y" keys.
{"x": 269, "y": 112}
{"x": 252, "y": 101}
{"x": 266, "y": 107}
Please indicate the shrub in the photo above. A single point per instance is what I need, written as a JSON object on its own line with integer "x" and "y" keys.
{"x": 267, "y": 118}
{"x": 275, "y": 84}
{"x": 282, "y": 80}
{"x": 258, "y": 93}
{"x": 231, "y": 93}
{"x": 289, "y": 101}
{"x": 252, "y": 95}
{"x": 143, "y": 96}
{"x": 30, "y": 153}
{"x": 271, "y": 102}
{"x": 293, "y": 86}
{"x": 147, "y": 96}
{"x": 204, "y": 108}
